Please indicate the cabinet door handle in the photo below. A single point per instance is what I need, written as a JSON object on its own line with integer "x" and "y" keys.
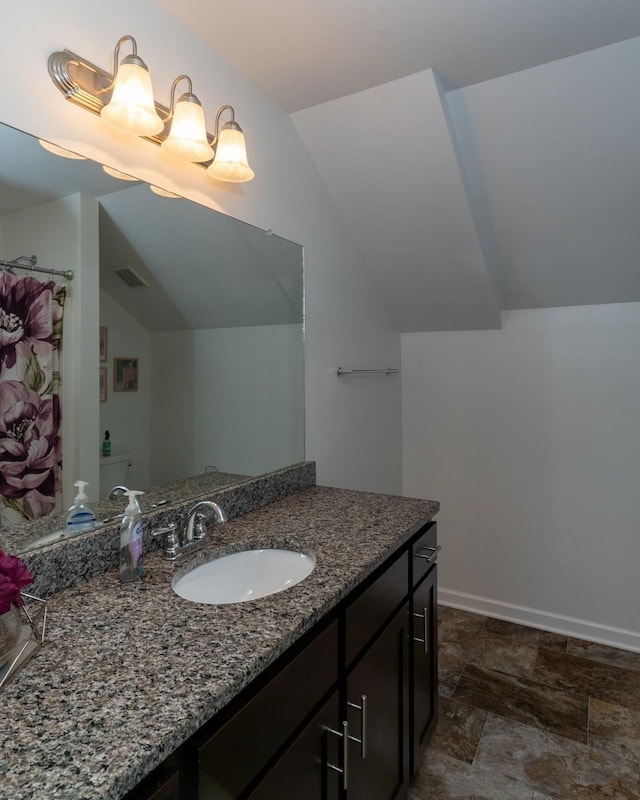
{"x": 362, "y": 741}
{"x": 344, "y": 770}
{"x": 433, "y": 556}
{"x": 425, "y": 622}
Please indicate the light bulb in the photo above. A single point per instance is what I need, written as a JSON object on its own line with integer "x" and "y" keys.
{"x": 188, "y": 135}
{"x": 230, "y": 162}
{"x": 132, "y": 108}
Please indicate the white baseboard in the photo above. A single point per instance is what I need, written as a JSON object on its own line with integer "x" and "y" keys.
{"x": 556, "y": 623}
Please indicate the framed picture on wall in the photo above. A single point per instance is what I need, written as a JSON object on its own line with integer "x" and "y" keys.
{"x": 125, "y": 374}
{"x": 103, "y": 384}
{"x": 103, "y": 344}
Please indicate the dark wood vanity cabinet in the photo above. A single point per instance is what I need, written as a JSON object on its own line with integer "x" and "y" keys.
{"x": 303, "y": 769}
{"x": 164, "y": 783}
{"x": 377, "y": 691}
{"x": 424, "y": 643}
{"x": 371, "y": 664}
{"x": 424, "y": 667}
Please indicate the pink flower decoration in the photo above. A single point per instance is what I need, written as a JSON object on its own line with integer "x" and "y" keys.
{"x": 27, "y": 316}
{"x": 28, "y": 447}
{"x": 14, "y": 576}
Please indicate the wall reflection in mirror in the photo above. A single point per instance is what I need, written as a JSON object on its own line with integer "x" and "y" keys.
{"x": 200, "y": 364}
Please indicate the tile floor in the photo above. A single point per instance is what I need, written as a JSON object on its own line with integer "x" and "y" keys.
{"x": 529, "y": 715}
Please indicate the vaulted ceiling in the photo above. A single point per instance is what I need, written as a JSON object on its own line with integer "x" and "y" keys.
{"x": 484, "y": 154}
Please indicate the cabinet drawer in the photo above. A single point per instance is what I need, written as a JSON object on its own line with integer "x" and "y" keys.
{"x": 302, "y": 772}
{"x": 424, "y": 552}
{"x": 232, "y": 757}
{"x": 366, "y": 615}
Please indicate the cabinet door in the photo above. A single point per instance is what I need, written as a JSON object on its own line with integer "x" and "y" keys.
{"x": 162, "y": 784}
{"x": 303, "y": 771}
{"x": 424, "y": 673}
{"x": 381, "y": 676}
{"x": 238, "y": 748}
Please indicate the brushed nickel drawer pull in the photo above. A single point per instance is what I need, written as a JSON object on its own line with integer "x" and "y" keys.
{"x": 434, "y": 553}
{"x": 362, "y": 741}
{"x": 425, "y": 621}
{"x": 344, "y": 770}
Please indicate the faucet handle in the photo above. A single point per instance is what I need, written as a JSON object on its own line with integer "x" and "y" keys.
{"x": 199, "y": 528}
{"x": 171, "y": 540}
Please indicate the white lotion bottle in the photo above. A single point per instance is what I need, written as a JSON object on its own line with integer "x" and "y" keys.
{"x": 131, "y": 540}
{"x": 80, "y": 517}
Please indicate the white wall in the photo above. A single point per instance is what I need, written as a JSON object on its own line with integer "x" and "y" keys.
{"x": 232, "y": 398}
{"x": 126, "y": 414}
{"x": 550, "y": 158}
{"x": 64, "y": 234}
{"x": 530, "y": 438}
{"x": 353, "y": 432}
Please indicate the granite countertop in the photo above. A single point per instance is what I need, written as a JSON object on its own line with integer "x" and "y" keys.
{"x": 128, "y": 673}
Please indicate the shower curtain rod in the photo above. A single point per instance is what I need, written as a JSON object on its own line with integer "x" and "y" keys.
{"x": 29, "y": 263}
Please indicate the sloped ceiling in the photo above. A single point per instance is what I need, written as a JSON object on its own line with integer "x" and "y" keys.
{"x": 387, "y": 157}
{"x": 483, "y": 153}
{"x": 203, "y": 269}
{"x": 521, "y": 192}
{"x": 552, "y": 157}
{"x": 306, "y": 52}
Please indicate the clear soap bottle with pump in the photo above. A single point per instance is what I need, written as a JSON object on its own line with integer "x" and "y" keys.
{"x": 131, "y": 540}
{"x": 80, "y": 517}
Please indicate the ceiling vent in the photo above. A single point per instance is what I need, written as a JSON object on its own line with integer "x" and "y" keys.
{"x": 132, "y": 278}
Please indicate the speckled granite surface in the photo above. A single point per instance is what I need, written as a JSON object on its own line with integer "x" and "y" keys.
{"x": 23, "y": 538}
{"x": 70, "y": 561}
{"x": 129, "y": 673}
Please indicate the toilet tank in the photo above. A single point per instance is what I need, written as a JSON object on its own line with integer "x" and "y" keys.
{"x": 113, "y": 471}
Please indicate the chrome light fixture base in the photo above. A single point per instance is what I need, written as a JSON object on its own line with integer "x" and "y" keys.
{"x": 89, "y": 86}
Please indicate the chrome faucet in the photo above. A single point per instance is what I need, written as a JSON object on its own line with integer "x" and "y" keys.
{"x": 116, "y": 492}
{"x": 194, "y": 530}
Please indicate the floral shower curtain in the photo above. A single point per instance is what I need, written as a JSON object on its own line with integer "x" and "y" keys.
{"x": 30, "y": 441}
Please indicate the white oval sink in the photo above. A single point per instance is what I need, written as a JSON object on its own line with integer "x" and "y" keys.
{"x": 244, "y": 576}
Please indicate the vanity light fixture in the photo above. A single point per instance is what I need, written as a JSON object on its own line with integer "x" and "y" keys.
{"x": 116, "y": 173}
{"x": 125, "y": 100}
{"x": 131, "y": 108}
{"x": 230, "y": 163}
{"x": 163, "y": 192}
{"x": 188, "y": 135}
{"x": 60, "y": 151}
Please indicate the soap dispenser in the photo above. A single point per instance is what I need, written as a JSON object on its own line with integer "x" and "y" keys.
{"x": 131, "y": 540}
{"x": 80, "y": 517}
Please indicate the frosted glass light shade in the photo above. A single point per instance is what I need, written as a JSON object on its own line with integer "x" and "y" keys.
{"x": 131, "y": 108}
{"x": 230, "y": 163}
{"x": 188, "y": 135}
{"x": 60, "y": 151}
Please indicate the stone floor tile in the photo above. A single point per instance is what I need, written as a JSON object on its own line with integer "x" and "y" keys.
{"x": 445, "y": 778}
{"x": 458, "y": 730}
{"x": 456, "y": 623}
{"x": 525, "y": 700}
{"x": 593, "y": 678}
{"x": 614, "y": 730}
{"x": 513, "y": 630}
{"x": 490, "y": 651}
{"x": 553, "y": 641}
{"x": 604, "y": 654}
{"x": 451, "y": 663}
{"x": 501, "y": 653}
{"x": 552, "y": 764}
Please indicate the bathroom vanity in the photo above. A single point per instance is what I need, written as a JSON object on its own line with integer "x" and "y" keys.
{"x": 325, "y": 690}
